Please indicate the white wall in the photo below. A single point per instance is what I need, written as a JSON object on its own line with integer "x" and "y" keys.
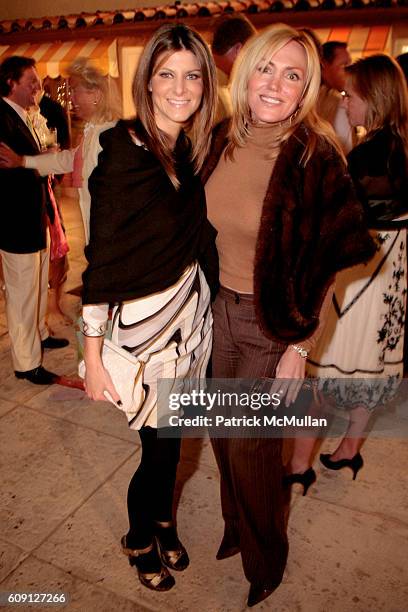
{"x": 15, "y": 9}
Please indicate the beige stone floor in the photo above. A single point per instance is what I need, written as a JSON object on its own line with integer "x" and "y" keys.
{"x": 65, "y": 466}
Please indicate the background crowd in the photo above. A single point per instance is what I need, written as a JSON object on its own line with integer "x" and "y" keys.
{"x": 310, "y": 246}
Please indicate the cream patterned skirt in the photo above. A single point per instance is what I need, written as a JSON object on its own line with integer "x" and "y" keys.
{"x": 172, "y": 330}
{"x": 363, "y": 339}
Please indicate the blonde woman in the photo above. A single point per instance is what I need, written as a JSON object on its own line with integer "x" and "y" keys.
{"x": 97, "y": 106}
{"x": 287, "y": 219}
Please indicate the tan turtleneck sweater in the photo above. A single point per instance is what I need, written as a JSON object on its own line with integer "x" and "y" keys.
{"x": 235, "y": 193}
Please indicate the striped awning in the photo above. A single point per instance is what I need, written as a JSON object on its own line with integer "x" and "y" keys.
{"x": 361, "y": 41}
{"x": 53, "y": 58}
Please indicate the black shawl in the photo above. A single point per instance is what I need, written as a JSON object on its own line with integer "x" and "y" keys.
{"x": 143, "y": 231}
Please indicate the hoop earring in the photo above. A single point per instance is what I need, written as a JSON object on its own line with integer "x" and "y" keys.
{"x": 294, "y": 115}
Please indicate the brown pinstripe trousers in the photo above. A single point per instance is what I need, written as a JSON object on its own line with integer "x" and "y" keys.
{"x": 252, "y": 497}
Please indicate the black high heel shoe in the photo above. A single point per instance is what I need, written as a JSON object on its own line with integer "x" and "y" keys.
{"x": 257, "y": 594}
{"x": 171, "y": 551}
{"x": 355, "y": 463}
{"x": 306, "y": 479}
{"x": 226, "y": 550}
{"x": 152, "y": 573}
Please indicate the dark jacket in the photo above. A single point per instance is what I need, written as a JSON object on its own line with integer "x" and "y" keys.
{"x": 379, "y": 169}
{"x": 143, "y": 232}
{"x": 312, "y": 226}
{"x": 23, "y": 215}
{"x": 56, "y": 118}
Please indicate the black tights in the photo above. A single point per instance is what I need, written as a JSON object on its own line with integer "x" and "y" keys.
{"x": 151, "y": 490}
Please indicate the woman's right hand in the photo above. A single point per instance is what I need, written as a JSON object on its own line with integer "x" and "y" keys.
{"x": 97, "y": 379}
{"x": 98, "y": 382}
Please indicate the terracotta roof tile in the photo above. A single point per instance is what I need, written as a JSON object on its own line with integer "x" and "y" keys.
{"x": 177, "y": 10}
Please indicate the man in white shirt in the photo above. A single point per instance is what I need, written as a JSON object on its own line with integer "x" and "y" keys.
{"x": 23, "y": 238}
{"x": 335, "y": 58}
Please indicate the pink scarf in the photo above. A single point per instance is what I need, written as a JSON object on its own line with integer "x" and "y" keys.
{"x": 59, "y": 245}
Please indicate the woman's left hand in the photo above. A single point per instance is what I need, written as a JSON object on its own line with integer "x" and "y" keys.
{"x": 290, "y": 373}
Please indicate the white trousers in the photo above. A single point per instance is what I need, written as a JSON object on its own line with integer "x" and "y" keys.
{"x": 26, "y": 282}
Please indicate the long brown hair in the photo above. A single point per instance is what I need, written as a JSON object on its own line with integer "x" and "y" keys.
{"x": 261, "y": 48}
{"x": 380, "y": 82}
{"x": 170, "y": 38}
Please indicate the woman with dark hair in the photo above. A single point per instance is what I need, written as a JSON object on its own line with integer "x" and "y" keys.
{"x": 287, "y": 220}
{"x": 149, "y": 237}
{"x": 364, "y": 335}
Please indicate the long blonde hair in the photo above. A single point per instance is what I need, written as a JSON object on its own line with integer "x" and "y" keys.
{"x": 170, "y": 38}
{"x": 380, "y": 82}
{"x": 108, "y": 107}
{"x": 260, "y": 49}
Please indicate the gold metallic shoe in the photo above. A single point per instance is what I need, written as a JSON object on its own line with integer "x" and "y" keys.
{"x": 171, "y": 551}
{"x": 144, "y": 560}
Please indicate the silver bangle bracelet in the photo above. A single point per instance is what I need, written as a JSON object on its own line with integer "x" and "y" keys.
{"x": 90, "y": 331}
{"x": 299, "y": 349}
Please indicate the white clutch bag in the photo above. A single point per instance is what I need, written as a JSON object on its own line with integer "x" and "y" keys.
{"x": 126, "y": 372}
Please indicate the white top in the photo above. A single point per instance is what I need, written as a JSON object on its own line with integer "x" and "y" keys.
{"x": 343, "y": 129}
{"x": 62, "y": 162}
{"x": 95, "y": 316}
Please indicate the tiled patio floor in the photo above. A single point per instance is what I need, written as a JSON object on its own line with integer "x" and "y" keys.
{"x": 65, "y": 466}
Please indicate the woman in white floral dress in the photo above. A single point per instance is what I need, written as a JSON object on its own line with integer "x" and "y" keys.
{"x": 364, "y": 335}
